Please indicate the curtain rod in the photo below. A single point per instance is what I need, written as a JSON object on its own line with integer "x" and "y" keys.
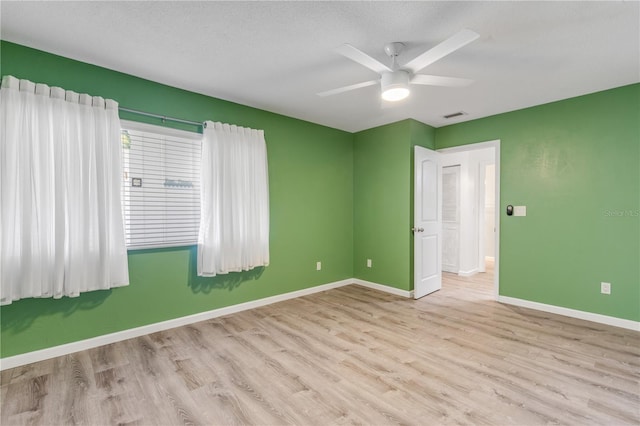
{"x": 162, "y": 117}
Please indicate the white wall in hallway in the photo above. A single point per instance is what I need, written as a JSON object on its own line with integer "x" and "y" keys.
{"x": 490, "y": 211}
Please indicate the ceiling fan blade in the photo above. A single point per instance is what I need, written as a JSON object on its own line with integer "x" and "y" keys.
{"x": 450, "y": 45}
{"x": 347, "y": 88}
{"x": 436, "y": 80}
{"x": 362, "y": 58}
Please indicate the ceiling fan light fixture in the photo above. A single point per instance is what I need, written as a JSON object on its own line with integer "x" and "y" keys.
{"x": 395, "y": 94}
{"x": 395, "y": 85}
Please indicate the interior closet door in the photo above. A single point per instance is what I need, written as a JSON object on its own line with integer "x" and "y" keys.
{"x": 451, "y": 219}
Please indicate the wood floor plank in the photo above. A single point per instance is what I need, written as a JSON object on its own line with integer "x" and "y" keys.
{"x": 347, "y": 356}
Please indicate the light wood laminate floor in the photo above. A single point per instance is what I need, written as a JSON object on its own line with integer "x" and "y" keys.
{"x": 347, "y": 356}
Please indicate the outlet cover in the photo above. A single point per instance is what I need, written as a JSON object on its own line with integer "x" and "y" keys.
{"x": 318, "y": 266}
{"x": 368, "y": 263}
{"x": 605, "y": 288}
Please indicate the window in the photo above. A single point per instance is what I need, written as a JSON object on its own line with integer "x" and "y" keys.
{"x": 160, "y": 186}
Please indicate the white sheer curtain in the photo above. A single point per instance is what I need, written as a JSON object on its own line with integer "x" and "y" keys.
{"x": 61, "y": 227}
{"x": 234, "y": 220}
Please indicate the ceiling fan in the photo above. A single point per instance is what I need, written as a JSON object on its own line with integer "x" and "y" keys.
{"x": 394, "y": 81}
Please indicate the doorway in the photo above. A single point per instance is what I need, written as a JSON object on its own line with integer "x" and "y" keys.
{"x": 471, "y": 202}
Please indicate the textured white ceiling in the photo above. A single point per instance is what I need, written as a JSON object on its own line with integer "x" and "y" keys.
{"x": 277, "y": 55}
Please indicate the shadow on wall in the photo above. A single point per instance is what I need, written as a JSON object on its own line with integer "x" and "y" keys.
{"x": 21, "y": 314}
{"x": 228, "y": 281}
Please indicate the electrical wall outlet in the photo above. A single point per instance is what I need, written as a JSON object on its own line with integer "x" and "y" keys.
{"x": 318, "y": 266}
{"x": 368, "y": 263}
{"x": 605, "y": 288}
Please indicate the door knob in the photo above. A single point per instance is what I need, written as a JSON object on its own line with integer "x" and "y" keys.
{"x": 417, "y": 230}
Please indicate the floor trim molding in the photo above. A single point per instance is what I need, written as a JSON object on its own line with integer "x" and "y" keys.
{"x": 384, "y": 287}
{"x": 573, "y": 313}
{"x": 468, "y": 273}
{"x": 55, "y": 351}
{"x": 81, "y": 345}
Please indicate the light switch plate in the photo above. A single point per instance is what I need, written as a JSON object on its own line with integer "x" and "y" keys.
{"x": 519, "y": 210}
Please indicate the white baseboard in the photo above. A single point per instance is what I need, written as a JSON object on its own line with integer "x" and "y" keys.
{"x": 573, "y": 313}
{"x": 383, "y": 287}
{"x": 468, "y": 273}
{"x": 43, "y": 354}
{"x": 81, "y": 345}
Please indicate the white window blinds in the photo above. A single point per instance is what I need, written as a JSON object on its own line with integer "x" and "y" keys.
{"x": 161, "y": 186}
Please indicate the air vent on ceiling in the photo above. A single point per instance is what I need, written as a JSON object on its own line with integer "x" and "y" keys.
{"x": 454, "y": 114}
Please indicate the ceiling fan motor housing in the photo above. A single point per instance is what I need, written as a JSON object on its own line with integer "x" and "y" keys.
{"x": 395, "y": 85}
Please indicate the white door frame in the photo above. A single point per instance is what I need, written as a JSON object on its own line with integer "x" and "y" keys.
{"x": 482, "y": 145}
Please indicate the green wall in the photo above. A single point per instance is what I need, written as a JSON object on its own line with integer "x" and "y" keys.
{"x": 342, "y": 198}
{"x": 311, "y": 201}
{"x": 383, "y": 201}
{"x": 575, "y": 164}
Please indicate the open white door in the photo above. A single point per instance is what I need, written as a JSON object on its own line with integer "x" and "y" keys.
{"x": 427, "y": 229}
